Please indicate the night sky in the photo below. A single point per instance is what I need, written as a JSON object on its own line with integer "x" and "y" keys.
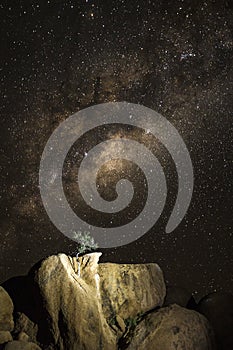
{"x": 175, "y": 57}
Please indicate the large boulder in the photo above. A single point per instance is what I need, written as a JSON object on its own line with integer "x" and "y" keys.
{"x": 173, "y": 328}
{"x": 127, "y": 290}
{"x": 74, "y": 318}
{"x": 6, "y": 311}
{"x": 82, "y": 299}
{"x": 218, "y": 309}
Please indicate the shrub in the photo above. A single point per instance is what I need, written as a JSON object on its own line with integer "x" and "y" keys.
{"x": 86, "y": 243}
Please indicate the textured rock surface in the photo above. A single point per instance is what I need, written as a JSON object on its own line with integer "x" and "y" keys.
{"x": 23, "y": 336}
{"x": 21, "y": 345}
{"x": 73, "y": 305}
{"x": 173, "y": 328}
{"x": 82, "y": 297}
{"x": 128, "y": 290}
{"x": 218, "y": 309}
{"x": 6, "y": 311}
{"x": 5, "y": 336}
{"x": 25, "y": 325}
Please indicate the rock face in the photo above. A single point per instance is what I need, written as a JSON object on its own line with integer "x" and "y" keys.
{"x": 72, "y": 304}
{"x": 173, "y": 328}
{"x": 6, "y": 311}
{"x": 81, "y": 298}
{"x": 128, "y": 290}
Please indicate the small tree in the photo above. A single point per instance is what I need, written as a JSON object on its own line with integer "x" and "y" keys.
{"x": 86, "y": 243}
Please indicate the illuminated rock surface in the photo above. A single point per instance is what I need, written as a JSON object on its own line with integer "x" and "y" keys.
{"x": 65, "y": 303}
{"x": 173, "y": 328}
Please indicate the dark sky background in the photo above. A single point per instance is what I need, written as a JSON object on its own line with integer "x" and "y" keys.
{"x": 58, "y": 57}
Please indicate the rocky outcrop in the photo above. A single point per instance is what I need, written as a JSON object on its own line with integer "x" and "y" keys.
{"x": 79, "y": 304}
{"x": 72, "y": 305}
{"x": 101, "y": 292}
{"x": 173, "y": 328}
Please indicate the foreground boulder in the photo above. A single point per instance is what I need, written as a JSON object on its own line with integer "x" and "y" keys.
{"x": 173, "y": 328}
{"x": 6, "y": 311}
{"x": 67, "y": 303}
{"x": 81, "y": 298}
{"x": 74, "y": 318}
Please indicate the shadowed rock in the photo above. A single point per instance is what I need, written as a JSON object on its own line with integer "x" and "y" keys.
{"x": 179, "y": 296}
{"x": 23, "y": 325}
{"x": 218, "y": 309}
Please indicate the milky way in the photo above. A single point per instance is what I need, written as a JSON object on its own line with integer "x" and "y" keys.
{"x": 172, "y": 56}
